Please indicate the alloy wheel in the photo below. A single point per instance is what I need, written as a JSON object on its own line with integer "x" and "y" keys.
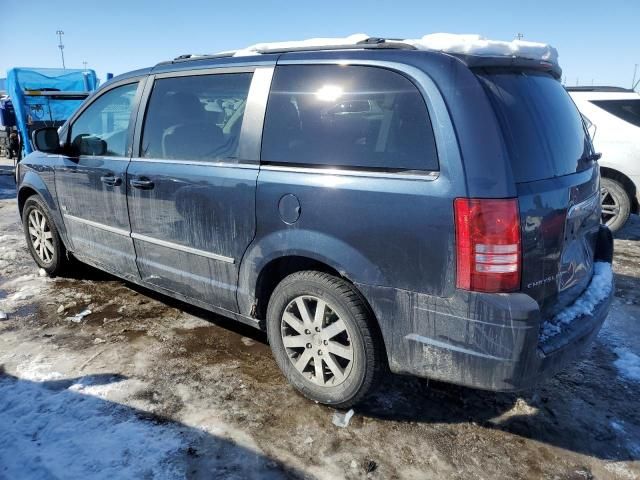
{"x": 610, "y": 206}
{"x": 317, "y": 341}
{"x": 41, "y": 236}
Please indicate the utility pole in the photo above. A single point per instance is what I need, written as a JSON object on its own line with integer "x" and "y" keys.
{"x": 61, "y": 46}
{"x": 634, "y": 84}
{"x": 85, "y": 66}
{"x": 520, "y": 36}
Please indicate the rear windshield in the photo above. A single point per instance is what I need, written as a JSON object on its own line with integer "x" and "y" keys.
{"x": 627, "y": 110}
{"x": 541, "y": 124}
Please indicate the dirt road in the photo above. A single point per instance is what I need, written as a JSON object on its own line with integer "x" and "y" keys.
{"x": 149, "y": 387}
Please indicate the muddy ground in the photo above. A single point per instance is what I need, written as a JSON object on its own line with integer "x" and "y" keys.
{"x": 217, "y": 383}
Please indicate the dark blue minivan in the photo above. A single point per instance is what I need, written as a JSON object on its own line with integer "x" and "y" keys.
{"x": 371, "y": 207}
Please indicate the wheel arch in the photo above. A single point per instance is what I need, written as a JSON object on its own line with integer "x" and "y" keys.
{"x": 626, "y": 182}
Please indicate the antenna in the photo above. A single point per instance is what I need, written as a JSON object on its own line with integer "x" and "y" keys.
{"x": 61, "y": 46}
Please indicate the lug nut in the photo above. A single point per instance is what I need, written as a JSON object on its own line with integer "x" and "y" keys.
{"x": 318, "y": 329}
{"x": 308, "y": 332}
{"x": 308, "y": 345}
{"x": 319, "y": 352}
{"x": 326, "y": 342}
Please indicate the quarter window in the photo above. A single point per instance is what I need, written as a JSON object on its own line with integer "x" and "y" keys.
{"x": 102, "y": 128}
{"x": 627, "y": 110}
{"x": 195, "y": 117}
{"x": 347, "y": 116}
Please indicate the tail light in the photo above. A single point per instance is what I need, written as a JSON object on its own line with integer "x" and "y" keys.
{"x": 488, "y": 244}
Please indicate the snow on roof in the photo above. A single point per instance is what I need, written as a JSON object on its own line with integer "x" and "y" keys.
{"x": 469, "y": 44}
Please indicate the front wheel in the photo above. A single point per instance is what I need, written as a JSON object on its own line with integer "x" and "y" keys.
{"x": 42, "y": 236}
{"x": 616, "y": 204}
{"x": 321, "y": 334}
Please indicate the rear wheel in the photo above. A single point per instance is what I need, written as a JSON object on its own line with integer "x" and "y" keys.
{"x": 42, "y": 236}
{"x": 321, "y": 335}
{"x": 616, "y": 204}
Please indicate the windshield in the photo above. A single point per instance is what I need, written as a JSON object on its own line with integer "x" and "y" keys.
{"x": 542, "y": 127}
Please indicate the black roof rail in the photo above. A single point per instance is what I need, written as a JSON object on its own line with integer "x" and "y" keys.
{"x": 598, "y": 89}
{"x": 372, "y": 43}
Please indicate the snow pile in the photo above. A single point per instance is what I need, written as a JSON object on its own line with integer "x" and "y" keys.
{"x": 22, "y": 288}
{"x": 599, "y": 288}
{"x": 470, "y": 44}
{"x": 53, "y": 430}
{"x": 628, "y": 364}
{"x": 310, "y": 43}
{"x": 478, "y": 45}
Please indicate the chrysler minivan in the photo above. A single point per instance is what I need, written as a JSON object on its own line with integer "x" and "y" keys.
{"x": 372, "y": 207}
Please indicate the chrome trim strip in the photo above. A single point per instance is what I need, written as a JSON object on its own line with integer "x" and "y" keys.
{"x": 182, "y": 248}
{"x": 100, "y": 226}
{"x": 197, "y": 162}
{"x": 429, "y": 176}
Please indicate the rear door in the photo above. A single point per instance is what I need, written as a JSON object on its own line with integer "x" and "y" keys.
{"x": 90, "y": 183}
{"x": 557, "y": 181}
{"x": 192, "y": 182}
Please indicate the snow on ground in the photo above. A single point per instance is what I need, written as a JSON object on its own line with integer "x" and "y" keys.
{"x": 63, "y": 429}
{"x": 628, "y": 363}
{"x": 599, "y": 288}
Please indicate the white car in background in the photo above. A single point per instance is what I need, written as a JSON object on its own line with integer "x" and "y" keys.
{"x": 612, "y": 115}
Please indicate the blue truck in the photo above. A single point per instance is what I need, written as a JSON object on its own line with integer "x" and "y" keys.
{"x": 40, "y": 97}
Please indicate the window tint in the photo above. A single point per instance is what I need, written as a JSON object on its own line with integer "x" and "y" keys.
{"x": 347, "y": 116}
{"x": 541, "y": 125}
{"x": 627, "y": 110}
{"x": 195, "y": 118}
{"x": 103, "y": 127}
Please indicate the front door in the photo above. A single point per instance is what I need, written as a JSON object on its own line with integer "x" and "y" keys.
{"x": 90, "y": 181}
{"x": 192, "y": 187}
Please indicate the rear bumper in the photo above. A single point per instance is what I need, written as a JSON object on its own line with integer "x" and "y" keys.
{"x": 480, "y": 340}
{"x": 485, "y": 341}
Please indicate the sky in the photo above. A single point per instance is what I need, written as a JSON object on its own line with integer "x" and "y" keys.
{"x": 598, "y": 41}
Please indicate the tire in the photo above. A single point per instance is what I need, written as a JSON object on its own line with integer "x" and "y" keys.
{"x": 52, "y": 256}
{"x": 615, "y": 202}
{"x": 338, "y": 382}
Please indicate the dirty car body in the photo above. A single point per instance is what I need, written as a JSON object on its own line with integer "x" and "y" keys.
{"x": 288, "y": 184}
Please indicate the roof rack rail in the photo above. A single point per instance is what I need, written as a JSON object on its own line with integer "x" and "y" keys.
{"x": 598, "y": 89}
{"x": 365, "y": 44}
{"x": 372, "y": 43}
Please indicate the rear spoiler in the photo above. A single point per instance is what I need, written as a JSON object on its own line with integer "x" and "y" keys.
{"x": 477, "y": 61}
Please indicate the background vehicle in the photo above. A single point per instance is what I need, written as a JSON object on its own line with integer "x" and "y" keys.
{"x": 614, "y": 114}
{"x": 349, "y": 200}
{"x": 45, "y": 97}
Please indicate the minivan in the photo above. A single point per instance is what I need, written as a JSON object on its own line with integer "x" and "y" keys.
{"x": 372, "y": 207}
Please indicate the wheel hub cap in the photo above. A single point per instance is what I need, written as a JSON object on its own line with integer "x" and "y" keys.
{"x": 40, "y": 236}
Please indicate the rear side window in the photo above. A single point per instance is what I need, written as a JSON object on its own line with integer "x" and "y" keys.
{"x": 627, "y": 110}
{"x": 542, "y": 127}
{"x": 195, "y": 117}
{"x": 347, "y": 116}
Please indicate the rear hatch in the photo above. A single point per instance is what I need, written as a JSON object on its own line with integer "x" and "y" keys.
{"x": 557, "y": 181}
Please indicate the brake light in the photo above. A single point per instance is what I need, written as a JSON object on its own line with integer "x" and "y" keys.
{"x": 487, "y": 244}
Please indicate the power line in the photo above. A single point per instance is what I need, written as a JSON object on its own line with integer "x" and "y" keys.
{"x": 61, "y": 46}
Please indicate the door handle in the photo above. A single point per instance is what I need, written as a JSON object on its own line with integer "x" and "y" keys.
{"x": 111, "y": 180}
{"x": 144, "y": 184}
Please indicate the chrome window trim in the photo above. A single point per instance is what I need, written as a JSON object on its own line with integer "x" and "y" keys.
{"x": 322, "y": 170}
{"x": 202, "y": 163}
{"x": 204, "y": 71}
{"x": 100, "y": 226}
{"x": 446, "y": 141}
{"x": 182, "y": 248}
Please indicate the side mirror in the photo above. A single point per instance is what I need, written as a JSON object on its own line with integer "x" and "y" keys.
{"x": 46, "y": 140}
{"x": 86, "y": 144}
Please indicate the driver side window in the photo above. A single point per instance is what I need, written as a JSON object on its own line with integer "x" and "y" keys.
{"x": 101, "y": 130}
